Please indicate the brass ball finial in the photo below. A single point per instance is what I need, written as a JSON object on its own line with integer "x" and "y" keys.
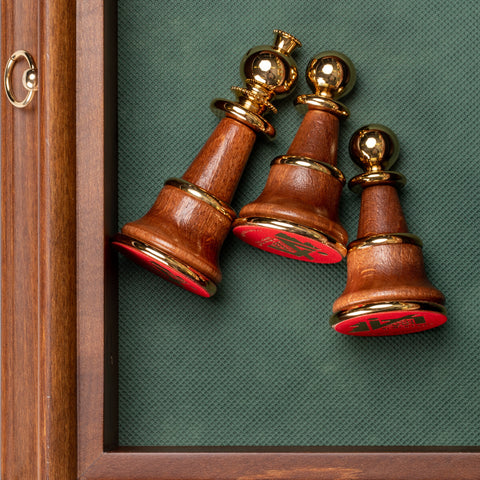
{"x": 374, "y": 148}
{"x": 331, "y": 74}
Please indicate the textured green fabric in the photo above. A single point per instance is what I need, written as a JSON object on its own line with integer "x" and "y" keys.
{"x": 258, "y": 364}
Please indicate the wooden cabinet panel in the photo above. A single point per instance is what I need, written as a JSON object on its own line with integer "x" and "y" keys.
{"x": 38, "y": 248}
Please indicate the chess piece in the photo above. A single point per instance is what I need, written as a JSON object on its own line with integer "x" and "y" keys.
{"x": 387, "y": 291}
{"x": 296, "y": 215}
{"x": 181, "y": 236}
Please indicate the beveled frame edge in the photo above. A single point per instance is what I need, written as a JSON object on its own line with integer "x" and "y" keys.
{"x": 294, "y": 465}
{"x": 38, "y": 248}
{"x": 96, "y": 220}
{"x": 98, "y": 456}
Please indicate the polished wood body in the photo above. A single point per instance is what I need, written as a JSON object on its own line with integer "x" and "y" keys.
{"x": 220, "y": 163}
{"x": 186, "y": 227}
{"x": 386, "y": 273}
{"x": 380, "y": 212}
{"x": 300, "y": 194}
{"x": 317, "y": 137}
{"x": 393, "y": 272}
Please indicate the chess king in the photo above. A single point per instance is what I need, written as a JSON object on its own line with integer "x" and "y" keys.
{"x": 181, "y": 236}
{"x": 387, "y": 290}
{"x": 296, "y": 215}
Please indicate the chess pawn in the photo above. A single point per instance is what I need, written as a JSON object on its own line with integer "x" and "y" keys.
{"x": 296, "y": 215}
{"x": 181, "y": 236}
{"x": 387, "y": 291}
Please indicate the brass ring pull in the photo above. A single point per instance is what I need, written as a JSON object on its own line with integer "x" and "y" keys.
{"x": 29, "y": 79}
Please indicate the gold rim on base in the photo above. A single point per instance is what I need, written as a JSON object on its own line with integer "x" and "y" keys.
{"x": 379, "y": 307}
{"x": 292, "y": 227}
{"x": 169, "y": 261}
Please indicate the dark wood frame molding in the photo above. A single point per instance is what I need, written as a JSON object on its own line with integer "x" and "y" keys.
{"x": 39, "y": 248}
{"x": 59, "y": 412}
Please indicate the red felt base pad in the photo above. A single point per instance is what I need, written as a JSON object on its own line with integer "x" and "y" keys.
{"x": 287, "y": 244}
{"x": 162, "y": 269}
{"x": 390, "y": 323}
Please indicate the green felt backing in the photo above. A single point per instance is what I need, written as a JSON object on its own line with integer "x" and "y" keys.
{"x": 258, "y": 364}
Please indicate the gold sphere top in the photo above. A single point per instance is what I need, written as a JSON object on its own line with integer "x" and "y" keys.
{"x": 374, "y": 148}
{"x": 331, "y": 74}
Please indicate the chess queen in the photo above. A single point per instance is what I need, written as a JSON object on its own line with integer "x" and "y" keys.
{"x": 180, "y": 237}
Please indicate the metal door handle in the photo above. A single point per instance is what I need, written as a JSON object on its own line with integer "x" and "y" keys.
{"x": 29, "y": 79}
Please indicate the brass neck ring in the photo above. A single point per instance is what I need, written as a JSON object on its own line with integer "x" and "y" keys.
{"x": 201, "y": 194}
{"x": 379, "y": 307}
{"x": 236, "y": 111}
{"x": 316, "y": 102}
{"x": 364, "y": 180}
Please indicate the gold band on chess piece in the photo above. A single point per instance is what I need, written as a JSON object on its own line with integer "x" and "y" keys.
{"x": 310, "y": 163}
{"x": 203, "y": 195}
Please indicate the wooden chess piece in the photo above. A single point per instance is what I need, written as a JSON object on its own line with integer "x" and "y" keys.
{"x": 181, "y": 236}
{"x": 296, "y": 215}
{"x": 387, "y": 291}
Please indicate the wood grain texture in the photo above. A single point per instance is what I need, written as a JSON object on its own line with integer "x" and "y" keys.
{"x": 380, "y": 212}
{"x": 39, "y": 249}
{"x": 219, "y": 165}
{"x": 393, "y": 272}
{"x": 386, "y": 273}
{"x": 186, "y": 228}
{"x": 20, "y": 290}
{"x": 317, "y": 137}
{"x": 293, "y": 465}
{"x": 302, "y": 195}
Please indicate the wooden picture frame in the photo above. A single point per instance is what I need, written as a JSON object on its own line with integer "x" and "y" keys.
{"x": 59, "y": 414}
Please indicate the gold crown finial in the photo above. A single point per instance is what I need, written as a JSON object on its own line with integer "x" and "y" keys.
{"x": 284, "y": 42}
{"x": 331, "y": 74}
{"x": 268, "y": 72}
